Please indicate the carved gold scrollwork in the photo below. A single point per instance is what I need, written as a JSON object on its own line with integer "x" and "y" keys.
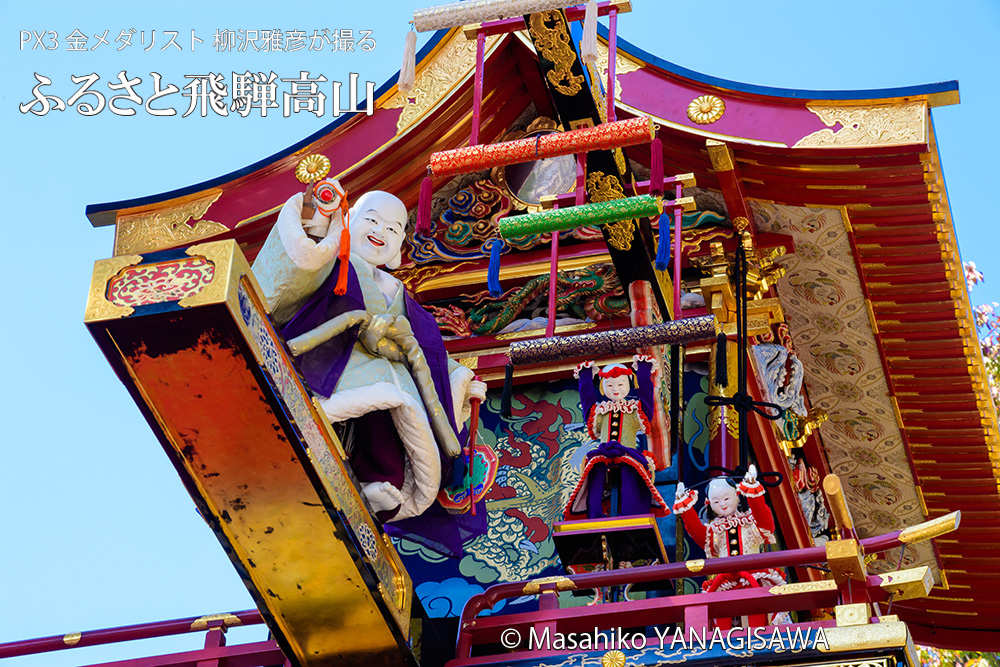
{"x": 551, "y": 37}
{"x": 436, "y": 78}
{"x": 882, "y": 125}
{"x": 166, "y": 227}
{"x": 623, "y": 65}
{"x": 602, "y": 187}
{"x": 98, "y": 306}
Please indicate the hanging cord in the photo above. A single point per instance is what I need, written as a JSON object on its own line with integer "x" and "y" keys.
{"x": 768, "y": 480}
{"x": 902, "y": 552}
{"x": 741, "y": 399}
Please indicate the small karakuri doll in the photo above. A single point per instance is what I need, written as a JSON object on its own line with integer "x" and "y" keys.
{"x": 618, "y": 423}
{"x": 739, "y": 524}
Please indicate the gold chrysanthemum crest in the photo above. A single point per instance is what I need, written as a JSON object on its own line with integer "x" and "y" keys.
{"x": 312, "y": 168}
{"x": 613, "y": 658}
{"x": 706, "y": 109}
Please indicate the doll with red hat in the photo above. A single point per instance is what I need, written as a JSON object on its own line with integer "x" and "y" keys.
{"x": 618, "y": 422}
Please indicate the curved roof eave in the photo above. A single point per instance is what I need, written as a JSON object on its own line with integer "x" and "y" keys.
{"x": 101, "y": 215}
{"x": 937, "y": 94}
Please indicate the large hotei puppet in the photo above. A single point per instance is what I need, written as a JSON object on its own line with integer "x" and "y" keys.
{"x": 739, "y": 523}
{"x": 617, "y": 423}
{"x": 371, "y": 354}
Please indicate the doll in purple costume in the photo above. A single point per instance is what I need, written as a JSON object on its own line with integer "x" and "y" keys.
{"x": 616, "y": 422}
{"x": 371, "y": 355}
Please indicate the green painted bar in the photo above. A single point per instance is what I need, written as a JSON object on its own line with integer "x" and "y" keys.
{"x": 598, "y": 213}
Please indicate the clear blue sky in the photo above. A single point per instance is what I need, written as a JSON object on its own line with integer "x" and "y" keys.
{"x": 97, "y": 529}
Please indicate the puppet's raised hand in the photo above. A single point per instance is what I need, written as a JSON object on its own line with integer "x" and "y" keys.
{"x": 750, "y": 487}
{"x": 684, "y": 498}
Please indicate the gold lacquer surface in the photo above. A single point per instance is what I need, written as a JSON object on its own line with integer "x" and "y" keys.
{"x": 228, "y": 261}
{"x": 553, "y": 40}
{"x": 908, "y": 584}
{"x": 846, "y": 560}
{"x": 534, "y": 587}
{"x": 98, "y": 306}
{"x": 874, "y": 125}
{"x": 852, "y": 614}
{"x": 249, "y": 468}
{"x": 613, "y": 658}
{"x": 167, "y": 227}
{"x": 866, "y": 637}
{"x": 447, "y": 67}
{"x": 803, "y": 587}
{"x": 931, "y": 529}
{"x": 602, "y": 187}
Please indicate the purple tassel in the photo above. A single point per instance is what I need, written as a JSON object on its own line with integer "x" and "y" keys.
{"x": 424, "y": 207}
{"x": 656, "y": 167}
{"x": 493, "y": 273}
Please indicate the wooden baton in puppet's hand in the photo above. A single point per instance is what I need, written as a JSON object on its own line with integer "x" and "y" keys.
{"x": 473, "y": 433}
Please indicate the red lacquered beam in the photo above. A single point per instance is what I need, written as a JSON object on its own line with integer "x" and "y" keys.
{"x": 606, "y": 136}
{"x": 477, "y": 88}
{"x": 256, "y": 653}
{"x": 669, "y": 571}
{"x": 612, "y": 59}
{"x": 642, "y": 187}
{"x": 674, "y": 609}
{"x": 126, "y": 633}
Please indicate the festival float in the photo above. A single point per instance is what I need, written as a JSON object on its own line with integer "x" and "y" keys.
{"x": 566, "y": 355}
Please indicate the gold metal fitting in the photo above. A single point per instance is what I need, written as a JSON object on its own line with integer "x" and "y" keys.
{"x": 852, "y": 614}
{"x": 931, "y": 529}
{"x": 846, "y": 560}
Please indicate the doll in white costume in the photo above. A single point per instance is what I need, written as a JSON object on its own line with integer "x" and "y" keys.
{"x": 368, "y": 351}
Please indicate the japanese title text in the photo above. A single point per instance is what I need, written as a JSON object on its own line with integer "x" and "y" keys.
{"x": 224, "y": 41}
{"x": 241, "y": 94}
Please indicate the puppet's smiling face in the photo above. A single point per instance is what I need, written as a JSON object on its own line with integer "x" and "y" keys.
{"x": 615, "y": 389}
{"x": 376, "y": 238}
{"x": 722, "y": 498}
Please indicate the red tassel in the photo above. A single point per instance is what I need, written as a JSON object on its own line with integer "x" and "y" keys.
{"x": 340, "y": 289}
{"x": 424, "y": 207}
{"x": 656, "y": 167}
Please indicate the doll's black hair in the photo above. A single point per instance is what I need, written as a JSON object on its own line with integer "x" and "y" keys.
{"x": 707, "y": 514}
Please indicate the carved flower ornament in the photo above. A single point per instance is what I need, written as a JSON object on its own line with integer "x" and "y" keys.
{"x": 706, "y": 109}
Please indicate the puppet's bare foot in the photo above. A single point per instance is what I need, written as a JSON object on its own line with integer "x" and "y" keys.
{"x": 383, "y": 496}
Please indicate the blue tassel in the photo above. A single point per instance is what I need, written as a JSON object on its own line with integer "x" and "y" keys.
{"x": 493, "y": 274}
{"x": 663, "y": 245}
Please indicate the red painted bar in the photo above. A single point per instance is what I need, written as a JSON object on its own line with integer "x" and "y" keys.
{"x": 123, "y": 633}
{"x": 241, "y": 655}
{"x": 612, "y": 57}
{"x": 696, "y": 618}
{"x": 669, "y": 571}
{"x": 477, "y": 91}
{"x": 550, "y": 326}
{"x": 605, "y": 136}
{"x": 678, "y": 228}
{"x": 695, "y": 611}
